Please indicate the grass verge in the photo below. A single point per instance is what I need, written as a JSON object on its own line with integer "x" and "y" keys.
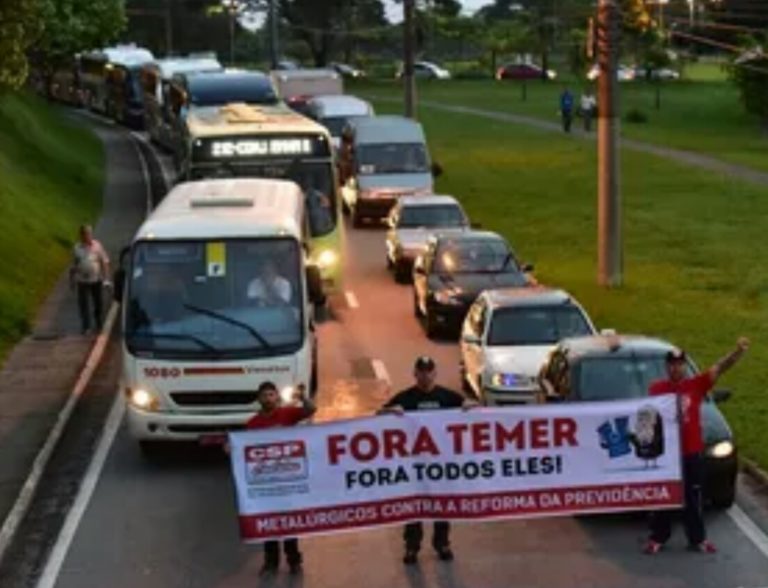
{"x": 695, "y": 271}
{"x": 52, "y": 178}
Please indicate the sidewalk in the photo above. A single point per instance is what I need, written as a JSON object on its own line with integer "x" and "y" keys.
{"x": 40, "y": 372}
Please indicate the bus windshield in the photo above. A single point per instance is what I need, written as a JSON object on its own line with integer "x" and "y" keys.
{"x": 226, "y": 299}
{"x": 314, "y": 177}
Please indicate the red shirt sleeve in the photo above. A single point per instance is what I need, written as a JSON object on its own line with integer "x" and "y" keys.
{"x": 658, "y": 387}
{"x": 290, "y": 415}
{"x": 701, "y": 384}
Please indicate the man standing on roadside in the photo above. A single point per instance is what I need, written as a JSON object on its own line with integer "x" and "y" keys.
{"x": 566, "y": 109}
{"x": 271, "y": 414}
{"x": 89, "y": 273}
{"x": 690, "y": 392}
{"x": 425, "y": 395}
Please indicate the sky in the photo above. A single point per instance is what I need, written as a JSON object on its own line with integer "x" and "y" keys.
{"x": 395, "y": 11}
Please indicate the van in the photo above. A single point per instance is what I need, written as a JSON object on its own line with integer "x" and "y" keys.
{"x": 335, "y": 112}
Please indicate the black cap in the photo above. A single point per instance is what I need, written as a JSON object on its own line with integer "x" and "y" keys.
{"x": 675, "y": 355}
{"x": 424, "y": 363}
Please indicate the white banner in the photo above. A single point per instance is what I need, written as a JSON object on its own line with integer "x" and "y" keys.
{"x": 481, "y": 464}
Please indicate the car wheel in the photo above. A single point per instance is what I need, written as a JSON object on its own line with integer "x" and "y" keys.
{"x": 725, "y": 496}
{"x": 402, "y": 273}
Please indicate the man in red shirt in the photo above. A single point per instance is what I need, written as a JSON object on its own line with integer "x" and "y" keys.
{"x": 691, "y": 392}
{"x": 272, "y": 414}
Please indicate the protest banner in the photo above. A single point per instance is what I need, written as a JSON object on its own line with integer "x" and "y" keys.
{"x": 481, "y": 464}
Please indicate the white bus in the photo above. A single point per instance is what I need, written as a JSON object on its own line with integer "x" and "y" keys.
{"x": 217, "y": 298}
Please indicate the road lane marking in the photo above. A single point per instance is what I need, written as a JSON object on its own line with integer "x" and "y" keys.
{"x": 749, "y": 528}
{"x": 167, "y": 178}
{"x": 352, "y": 301}
{"x": 67, "y": 534}
{"x": 381, "y": 371}
{"x": 145, "y": 173}
{"x": 26, "y": 495}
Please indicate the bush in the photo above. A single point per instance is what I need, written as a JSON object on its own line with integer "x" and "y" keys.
{"x": 636, "y": 116}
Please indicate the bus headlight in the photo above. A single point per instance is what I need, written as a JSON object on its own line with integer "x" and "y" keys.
{"x": 286, "y": 394}
{"x": 722, "y": 449}
{"x": 327, "y": 258}
{"x": 143, "y": 399}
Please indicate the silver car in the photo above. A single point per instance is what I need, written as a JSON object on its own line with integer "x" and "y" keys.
{"x": 412, "y": 221}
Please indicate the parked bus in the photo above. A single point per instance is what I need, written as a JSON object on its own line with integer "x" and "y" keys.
{"x": 240, "y": 140}
{"x": 64, "y": 83}
{"x": 109, "y": 81}
{"x": 203, "y": 323}
{"x": 156, "y": 81}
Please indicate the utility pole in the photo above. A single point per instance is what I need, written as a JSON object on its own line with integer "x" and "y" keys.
{"x": 169, "y": 27}
{"x": 408, "y": 51}
{"x": 232, "y": 14}
{"x": 273, "y": 47}
{"x": 609, "y": 242}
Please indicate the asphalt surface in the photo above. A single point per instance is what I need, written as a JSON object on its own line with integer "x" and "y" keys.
{"x": 172, "y": 522}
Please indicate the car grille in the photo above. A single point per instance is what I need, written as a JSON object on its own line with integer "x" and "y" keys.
{"x": 231, "y": 398}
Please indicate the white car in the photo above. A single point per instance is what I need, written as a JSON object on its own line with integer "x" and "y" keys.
{"x": 427, "y": 70}
{"x": 412, "y": 221}
{"x": 506, "y": 338}
{"x": 624, "y": 73}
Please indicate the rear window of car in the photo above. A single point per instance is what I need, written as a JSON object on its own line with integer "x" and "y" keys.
{"x": 440, "y": 215}
{"x": 543, "y": 325}
{"x": 475, "y": 256}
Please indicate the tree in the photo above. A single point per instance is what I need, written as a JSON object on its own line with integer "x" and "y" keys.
{"x": 750, "y": 73}
{"x": 21, "y": 26}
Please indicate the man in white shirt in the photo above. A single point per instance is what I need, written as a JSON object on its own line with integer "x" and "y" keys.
{"x": 270, "y": 288}
{"x": 89, "y": 272}
{"x": 588, "y": 106}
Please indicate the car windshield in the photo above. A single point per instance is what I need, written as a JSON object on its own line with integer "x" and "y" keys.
{"x": 442, "y": 215}
{"x": 392, "y": 158}
{"x": 314, "y": 177}
{"x": 619, "y": 377}
{"x": 336, "y": 124}
{"x": 215, "y": 93}
{"x": 544, "y": 325}
{"x": 475, "y": 256}
{"x": 233, "y": 298}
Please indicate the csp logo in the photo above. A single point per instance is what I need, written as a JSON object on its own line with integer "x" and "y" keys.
{"x": 276, "y": 463}
{"x": 646, "y": 438}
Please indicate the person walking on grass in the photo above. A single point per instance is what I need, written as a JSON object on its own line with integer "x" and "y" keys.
{"x": 566, "y": 109}
{"x": 588, "y": 107}
{"x": 89, "y": 273}
{"x": 426, "y": 395}
{"x": 272, "y": 414}
{"x": 691, "y": 392}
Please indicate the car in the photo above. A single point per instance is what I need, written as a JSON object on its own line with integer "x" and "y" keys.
{"x": 348, "y": 71}
{"x": 507, "y": 335}
{"x": 427, "y": 70}
{"x": 455, "y": 269}
{"x": 523, "y": 71}
{"x": 624, "y": 73}
{"x": 337, "y": 111}
{"x": 286, "y": 65}
{"x": 412, "y": 221}
{"x": 619, "y": 367}
{"x": 661, "y": 73}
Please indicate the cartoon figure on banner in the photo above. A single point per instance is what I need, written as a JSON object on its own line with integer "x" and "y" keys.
{"x": 614, "y": 437}
{"x": 648, "y": 437}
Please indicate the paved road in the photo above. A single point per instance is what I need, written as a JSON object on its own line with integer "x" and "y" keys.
{"x": 172, "y": 522}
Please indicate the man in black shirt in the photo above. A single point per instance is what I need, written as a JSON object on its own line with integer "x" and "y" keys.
{"x": 425, "y": 395}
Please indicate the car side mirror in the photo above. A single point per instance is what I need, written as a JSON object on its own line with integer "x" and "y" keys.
{"x": 527, "y": 268}
{"x": 721, "y": 396}
{"x": 315, "y": 285}
{"x": 471, "y": 339}
{"x": 437, "y": 169}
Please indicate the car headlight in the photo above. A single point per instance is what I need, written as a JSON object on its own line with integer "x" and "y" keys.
{"x": 722, "y": 449}
{"x": 503, "y": 380}
{"x": 327, "y": 258}
{"x": 143, "y": 399}
{"x": 447, "y": 297}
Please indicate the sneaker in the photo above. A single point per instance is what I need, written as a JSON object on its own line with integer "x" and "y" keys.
{"x": 410, "y": 557}
{"x": 652, "y": 547}
{"x": 704, "y": 547}
{"x": 444, "y": 553}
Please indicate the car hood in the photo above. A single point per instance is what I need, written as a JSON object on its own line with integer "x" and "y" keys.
{"x": 396, "y": 183}
{"x": 713, "y": 424}
{"x": 518, "y": 359}
{"x": 468, "y": 286}
{"x": 417, "y": 238}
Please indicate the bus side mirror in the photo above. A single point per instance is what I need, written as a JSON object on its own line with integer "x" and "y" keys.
{"x": 437, "y": 170}
{"x": 315, "y": 285}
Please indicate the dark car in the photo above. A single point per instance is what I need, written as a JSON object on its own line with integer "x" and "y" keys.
{"x": 454, "y": 269}
{"x": 613, "y": 367}
{"x": 523, "y": 71}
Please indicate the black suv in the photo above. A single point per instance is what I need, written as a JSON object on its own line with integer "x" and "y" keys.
{"x": 612, "y": 367}
{"x": 454, "y": 269}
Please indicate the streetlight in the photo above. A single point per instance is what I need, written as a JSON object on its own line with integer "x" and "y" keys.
{"x": 661, "y": 4}
{"x": 691, "y": 12}
{"x": 232, "y": 11}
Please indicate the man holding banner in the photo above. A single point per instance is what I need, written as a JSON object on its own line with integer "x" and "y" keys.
{"x": 425, "y": 395}
{"x": 690, "y": 392}
{"x": 270, "y": 415}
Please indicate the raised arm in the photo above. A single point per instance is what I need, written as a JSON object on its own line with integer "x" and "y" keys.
{"x": 728, "y": 361}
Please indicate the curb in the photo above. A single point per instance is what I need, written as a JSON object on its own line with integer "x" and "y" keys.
{"x": 20, "y": 507}
{"x": 754, "y": 470}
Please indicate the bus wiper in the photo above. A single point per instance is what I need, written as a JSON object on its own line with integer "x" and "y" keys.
{"x": 229, "y": 320}
{"x": 179, "y": 336}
